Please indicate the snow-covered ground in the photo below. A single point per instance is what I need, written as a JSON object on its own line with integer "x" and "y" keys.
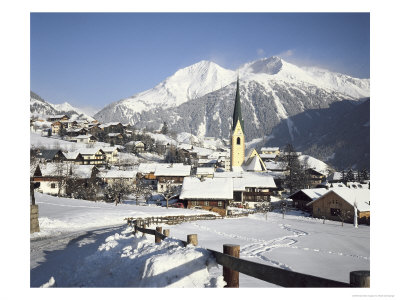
{"x": 88, "y": 244}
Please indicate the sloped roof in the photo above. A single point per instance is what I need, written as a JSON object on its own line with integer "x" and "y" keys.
{"x": 146, "y": 168}
{"x": 237, "y": 111}
{"x": 205, "y": 170}
{"x": 209, "y": 188}
{"x": 254, "y": 163}
{"x": 269, "y": 149}
{"x": 82, "y": 171}
{"x": 173, "y": 170}
{"x": 312, "y": 193}
{"x": 54, "y": 169}
{"x": 118, "y": 174}
{"x": 359, "y": 196}
{"x": 243, "y": 180}
{"x": 90, "y": 151}
{"x": 71, "y": 154}
{"x": 48, "y": 154}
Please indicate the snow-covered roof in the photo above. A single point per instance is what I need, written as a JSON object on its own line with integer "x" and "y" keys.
{"x": 71, "y": 154}
{"x": 113, "y": 134}
{"x": 87, "y": 136}
{"x": 209, "y": 188}
{"x": 243, "y": 180}
{"x": 173, "y": 170}
{"x": 312, "y": 193}
{"x": 359, "y": 196}
{"x": 56, "y": 116}
{"x": 82, "y": 171}
{"x": 89, "y": 151}
{"x": 269, "y": 149}
{"x": 207, "y": 161}
{"x": 146, "y": 168}
{"x": 54, "y": 169}
{"x": 109, "y": 149}
{"x": 118, "y": 174}
{"x": 205, "y": 171}
{"x": 268, "y": 156}
{"x": 254, "y": 164}
{"x": 271, "y": 165}
{"x": 334, "y": 176}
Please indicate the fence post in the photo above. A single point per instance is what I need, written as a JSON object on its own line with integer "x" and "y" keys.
{"x": 230, "y": 276}
{"x": 166, "y": 232}
{"x": 192, "y": 239}
{"x": 158, "y": 239}
{"x": 359, "y": 279}
{"x": 144, "y": 227}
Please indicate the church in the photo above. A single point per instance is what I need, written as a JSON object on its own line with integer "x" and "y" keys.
{"x": 238, "y": 162}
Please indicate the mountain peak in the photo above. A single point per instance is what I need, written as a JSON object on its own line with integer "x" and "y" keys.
{"x": 271, "y": 65}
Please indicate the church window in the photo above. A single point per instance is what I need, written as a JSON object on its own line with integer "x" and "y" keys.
{"x": 238, "y": 141}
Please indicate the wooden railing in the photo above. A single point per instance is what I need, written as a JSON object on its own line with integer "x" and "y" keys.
{"x": 233, "y": 265}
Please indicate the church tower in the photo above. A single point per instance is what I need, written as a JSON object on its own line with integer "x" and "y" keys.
{"x": 237, "y": 133}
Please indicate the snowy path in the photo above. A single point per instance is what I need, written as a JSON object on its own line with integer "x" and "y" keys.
{"x": 57, "y": 256}
{"x": 76, "y": 247}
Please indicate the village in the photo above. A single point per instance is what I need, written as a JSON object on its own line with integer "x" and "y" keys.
{"x": 113, "y": 162}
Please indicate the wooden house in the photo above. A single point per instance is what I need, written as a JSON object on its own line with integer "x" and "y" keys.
{"x": 52, "y": 178}
{"x": 114, "y": 138}
{"x": 114, "y": 127}
{"x": 111, "y": 177}
{"x": 145, "y": 173}
{"x": 112, "y": 154}
{"x": 213, "y": 194}
{"x": 139, "y": 146}
{"x": 250, "y": 188}
{"x": 270, "y": 150}
{"x": 170, "y": 175}
{"x": 57, "y": 118}
{"x": 74, "y": 157}
{"x": 302, "y": 197}
{"x": 56, "y": 127}
{"x": 338, "y": 204}
{"x": 315, "y": 177}
{"x": 93, "y": 156}
{"x": 50, "y": 156}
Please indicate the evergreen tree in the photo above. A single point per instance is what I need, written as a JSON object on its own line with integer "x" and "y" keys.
{"x": 295, "y": 176}
{"x": 164, "y": 129}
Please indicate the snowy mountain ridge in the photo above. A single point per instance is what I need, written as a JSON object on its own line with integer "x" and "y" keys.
{"x": 205, "y": 77}
{"x": 40, "y": 107}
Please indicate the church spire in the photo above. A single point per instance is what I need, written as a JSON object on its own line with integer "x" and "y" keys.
{"x": 237, "y": 111}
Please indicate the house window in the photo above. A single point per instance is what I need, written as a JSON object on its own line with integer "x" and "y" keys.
{"x": 335, "y": 212}
{"x": 220, "y": 203}
{"x": 53, "y": 185}
{"x": 206, "y": 203}
{"x": 238, "y": 141}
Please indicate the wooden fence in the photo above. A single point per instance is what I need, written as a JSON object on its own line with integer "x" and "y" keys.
{"x": 173, "y": 220}
{"x": 233, "y": 265}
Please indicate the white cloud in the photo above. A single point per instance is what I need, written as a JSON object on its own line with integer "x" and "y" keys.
{"x": 260, "y": 52}
{"x": 285, "y": 54}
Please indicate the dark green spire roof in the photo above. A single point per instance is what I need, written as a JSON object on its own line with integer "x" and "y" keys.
{"x": 237, "y": 111}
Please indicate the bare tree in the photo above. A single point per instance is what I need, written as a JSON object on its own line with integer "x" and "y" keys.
{"x": 140, "y": 190}
{"x": 170, "y": 191}
{"x": 118, "y": 190}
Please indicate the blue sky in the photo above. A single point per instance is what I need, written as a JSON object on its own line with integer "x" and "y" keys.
{"x": 93, "y": 59}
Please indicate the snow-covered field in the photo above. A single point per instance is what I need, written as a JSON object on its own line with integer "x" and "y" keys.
{"x": 88, "y": 244}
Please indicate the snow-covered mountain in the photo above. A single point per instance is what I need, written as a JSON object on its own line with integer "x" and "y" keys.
{"x": 40, "y": 107}
{"x": 186, "y": 84}
{"x": 273, "y": 77}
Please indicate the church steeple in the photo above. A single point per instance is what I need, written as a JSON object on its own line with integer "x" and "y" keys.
{"x": 237, "y": 134}
{"x": 237, "y": 111}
